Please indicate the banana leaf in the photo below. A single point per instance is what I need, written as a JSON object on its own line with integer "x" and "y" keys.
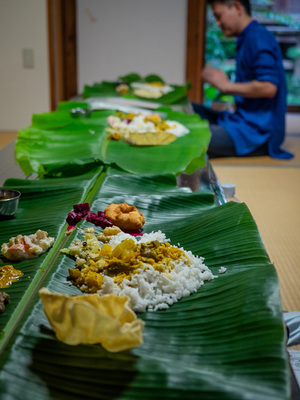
{"x": 42, "y": 206}
{"x": 57, "y": 145}
{"x": 226, "y": 341}
{"x": 132, "y": 77}
{"x": 108, "y": 89}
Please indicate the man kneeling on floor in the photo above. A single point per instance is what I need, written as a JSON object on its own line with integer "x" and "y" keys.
{"x": 257, "y": 127}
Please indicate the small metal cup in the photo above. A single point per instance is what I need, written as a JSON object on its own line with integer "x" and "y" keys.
{"x": 9, "y": 201}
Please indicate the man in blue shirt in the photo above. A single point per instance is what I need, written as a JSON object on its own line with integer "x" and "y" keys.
{"x": 257, "y": 127}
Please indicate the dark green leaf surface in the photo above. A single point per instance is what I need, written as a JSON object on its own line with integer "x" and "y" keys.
{"x": 58, "y": 145}
{"x": 56, "y": 142}
{"x": 226, "y": 341}
{"x": 42, "y": 206}
{"x": 131, "y": 77}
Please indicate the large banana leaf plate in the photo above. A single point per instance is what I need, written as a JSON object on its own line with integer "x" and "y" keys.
{"x": 226, "y": 341}
{"x": 58, "y": 145}
{"x": 108, "y": 89}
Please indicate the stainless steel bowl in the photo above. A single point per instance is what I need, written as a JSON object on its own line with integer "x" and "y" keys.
{"x": 9, "y": 201}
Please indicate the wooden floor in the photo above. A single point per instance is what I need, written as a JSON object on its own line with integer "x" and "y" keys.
{"x": 271, "y": 190}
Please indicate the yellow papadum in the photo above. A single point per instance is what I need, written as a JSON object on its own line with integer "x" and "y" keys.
{"x": 150, "y": 138}
{"x": 147, "y": 94}
{"x": 91, "y": 319}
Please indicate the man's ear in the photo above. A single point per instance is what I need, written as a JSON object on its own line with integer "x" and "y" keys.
{"x": 238, "y": 6}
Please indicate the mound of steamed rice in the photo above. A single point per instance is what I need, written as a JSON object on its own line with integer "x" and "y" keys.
{"x": 151, "y": 290}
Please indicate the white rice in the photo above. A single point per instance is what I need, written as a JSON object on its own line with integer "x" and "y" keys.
{"x": 153, "y": 290}
{"x": 138, "y": 124}
{"x": 147, "y": 237}
{"x": 177, "y": 128}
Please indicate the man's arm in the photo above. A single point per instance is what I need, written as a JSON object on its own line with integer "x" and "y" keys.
{"x": 254, "y": 89}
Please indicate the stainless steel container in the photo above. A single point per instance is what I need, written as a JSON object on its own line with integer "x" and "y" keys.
{"x": 9, "y": 201}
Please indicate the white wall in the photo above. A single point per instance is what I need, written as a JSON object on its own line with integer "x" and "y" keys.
{"x": 23, "y": 25}
{"x": 116, "y": 37}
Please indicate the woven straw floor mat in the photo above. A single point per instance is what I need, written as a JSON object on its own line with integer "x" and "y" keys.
{"x": 272, "y": 194}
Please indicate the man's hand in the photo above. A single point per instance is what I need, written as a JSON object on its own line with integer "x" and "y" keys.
{"x": 215, "y": 77}
{"x": 253, "y": 89}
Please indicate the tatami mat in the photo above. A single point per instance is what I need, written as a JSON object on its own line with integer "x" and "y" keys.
{"x": 291, "y": 144}
{"x": 271, "y": 190}
{"x": 272, "y": 195}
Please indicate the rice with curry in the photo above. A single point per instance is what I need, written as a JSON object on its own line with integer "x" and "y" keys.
{"x": 149, "y": 270}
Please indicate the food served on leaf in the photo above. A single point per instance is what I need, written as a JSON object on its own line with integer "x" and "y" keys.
{"x": 144, "y": 130}
{"x": 82, "y": 211}
{"x": 151, "y": 90}
{"x": 125, "y": 216}
{"x": 8, "y": 275}
{"x": 108, "y": 233}
{"x": 4, "y": 300}
{"x": 91, "y": 319}
{"x": 122, "y": 88}
{"x": 24, "y": 247}
{"x": 122, "y": 215}
{"x": 148, "y": 90}
{"x": 151, "y": 271}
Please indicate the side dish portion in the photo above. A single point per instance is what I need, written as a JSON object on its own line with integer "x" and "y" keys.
{"x": 27, "y": 246}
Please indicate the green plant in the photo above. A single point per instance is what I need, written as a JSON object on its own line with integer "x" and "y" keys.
{"x": 293, "y": 53}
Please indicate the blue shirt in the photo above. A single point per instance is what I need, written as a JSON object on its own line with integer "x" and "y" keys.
{"x": 258, "y": 120}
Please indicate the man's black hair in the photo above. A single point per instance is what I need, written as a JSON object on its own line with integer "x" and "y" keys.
{"x": 244, "y": 3}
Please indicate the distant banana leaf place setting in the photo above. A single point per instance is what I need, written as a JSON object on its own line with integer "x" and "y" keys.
{"x": 118, "y": 283}
{"x": 133, "y": 86}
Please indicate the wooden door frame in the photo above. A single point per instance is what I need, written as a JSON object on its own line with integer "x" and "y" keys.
{"x": 62, "y": 43}
{"x": 195, "y": 48}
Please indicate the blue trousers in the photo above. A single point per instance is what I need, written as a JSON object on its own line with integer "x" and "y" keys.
{"x": 221, "y": 144}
